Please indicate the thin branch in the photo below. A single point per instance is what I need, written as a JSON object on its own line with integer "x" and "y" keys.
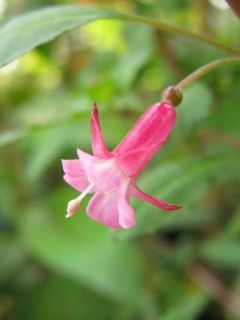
{"x": 181, "y": 31}
{"x": 213, "y": 286}
{"x": 220, "y": 137}
{"x": 205, "y": 69}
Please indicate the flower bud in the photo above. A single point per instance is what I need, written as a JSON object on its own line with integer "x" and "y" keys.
{"x": 172, "y": 94}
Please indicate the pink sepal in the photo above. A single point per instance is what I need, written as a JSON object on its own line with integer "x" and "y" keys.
{"x": 98, "y": 145}
{"x": 75, "y": 174}
{"x": 137, "y": 193}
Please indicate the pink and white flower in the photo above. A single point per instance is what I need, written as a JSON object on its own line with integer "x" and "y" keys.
{"x": 110, "y": 176}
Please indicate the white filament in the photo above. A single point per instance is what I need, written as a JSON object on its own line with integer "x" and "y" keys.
{"x": 85, "y": 192}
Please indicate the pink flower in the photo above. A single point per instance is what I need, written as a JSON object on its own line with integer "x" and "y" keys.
{"x": 110, "y": 176}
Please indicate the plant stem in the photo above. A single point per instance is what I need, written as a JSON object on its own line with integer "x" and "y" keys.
{"x": 181, "y": 31}
{"x": 235, "y": 5}
{"x": 212, "y": 285}
{"x": 205, "y": 69}
{"x": 220, "y": 137}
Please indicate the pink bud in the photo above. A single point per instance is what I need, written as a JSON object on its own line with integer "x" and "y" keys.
{"x": 110, "y": 175}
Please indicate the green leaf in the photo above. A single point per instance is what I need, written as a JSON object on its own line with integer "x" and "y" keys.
{"x": 232, "y": 229}
{"x": 226, "y": 118}
{"x": 81, "y": 249}
{"x": 194, "y": 108}
{"x": 14, "y": 256}
{"x": 189, "y": 308}
{"x": 52, "y": 295}
{"x": 11, "y": 136}
{"x": 137, "y": 56}
{"x": 23, "y": 33}
{"x": 221, "y": 252}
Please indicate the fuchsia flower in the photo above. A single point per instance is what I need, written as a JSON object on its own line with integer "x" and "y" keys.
{"x": 110, "y": 176}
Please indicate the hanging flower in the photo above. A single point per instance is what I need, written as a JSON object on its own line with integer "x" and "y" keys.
{"x": 110, "y": 176}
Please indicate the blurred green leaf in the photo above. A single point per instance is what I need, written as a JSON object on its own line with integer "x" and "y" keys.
{"x": 188, "y": 309}
{"x": 136, "y": 57}
{"x": 224, "y": 249}
{"x": 225, "y": 253}
{"x": 232, "y": 229}
{"x": 226, "y": 117}
{"x": 82, "y": 250}
{"x": 13, "y": 255}
{"x": 61, "y": 299}
{"x": 11, "y": 136}
{"x": 194, "y": 108}
{"x": 25, "y": 32}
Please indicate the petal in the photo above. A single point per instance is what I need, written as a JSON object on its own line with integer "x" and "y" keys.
{"x": 143, "y": 140}
{"x": 98, "y": 146}
{"x": 126, "y": 212}
{"x": 86, "y": 160}
{"x": 75, "y": 174}
{"x": 103, "y": 208}
{"x": 137, "y": 193}
{"x": 100, "y": 172}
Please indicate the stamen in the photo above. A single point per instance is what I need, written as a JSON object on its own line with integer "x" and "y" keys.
{"x": 85, "y": 192}
{"x": 74, "y": 205}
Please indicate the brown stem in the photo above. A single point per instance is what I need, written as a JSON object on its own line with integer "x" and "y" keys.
{"x": 213, "y": 286}
{"x": 205, "y": 69}
{"x": 235, "y": 5}
{"x": 219, "y": 137}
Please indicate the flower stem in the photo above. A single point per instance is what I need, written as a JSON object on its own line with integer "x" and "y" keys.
{"x": 181, "y": 31}
{"x": 205, "y": 69}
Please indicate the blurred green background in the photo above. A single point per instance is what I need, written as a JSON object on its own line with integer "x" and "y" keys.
{"x": 182, "y": 265}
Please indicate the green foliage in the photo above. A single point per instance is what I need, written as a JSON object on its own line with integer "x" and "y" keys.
{"x": 82, "y": 250}
{"x": 56, "y": 268}
{"x": 27, "y": 31}
{"x": 188, "y": 309}
{"x": 59, "y": 299}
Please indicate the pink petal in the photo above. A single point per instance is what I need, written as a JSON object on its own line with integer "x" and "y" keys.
{"x": 75, "y": 174}
{"x": 100, "y": 172}
{"x": 103, "y": 208}
{"x": 86, "y": 159}
{"x": 143, "y": 140}
{"x": 126, "y": 212}
{"x": 98, "y": 146}
{"x": 137, "y": 193}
